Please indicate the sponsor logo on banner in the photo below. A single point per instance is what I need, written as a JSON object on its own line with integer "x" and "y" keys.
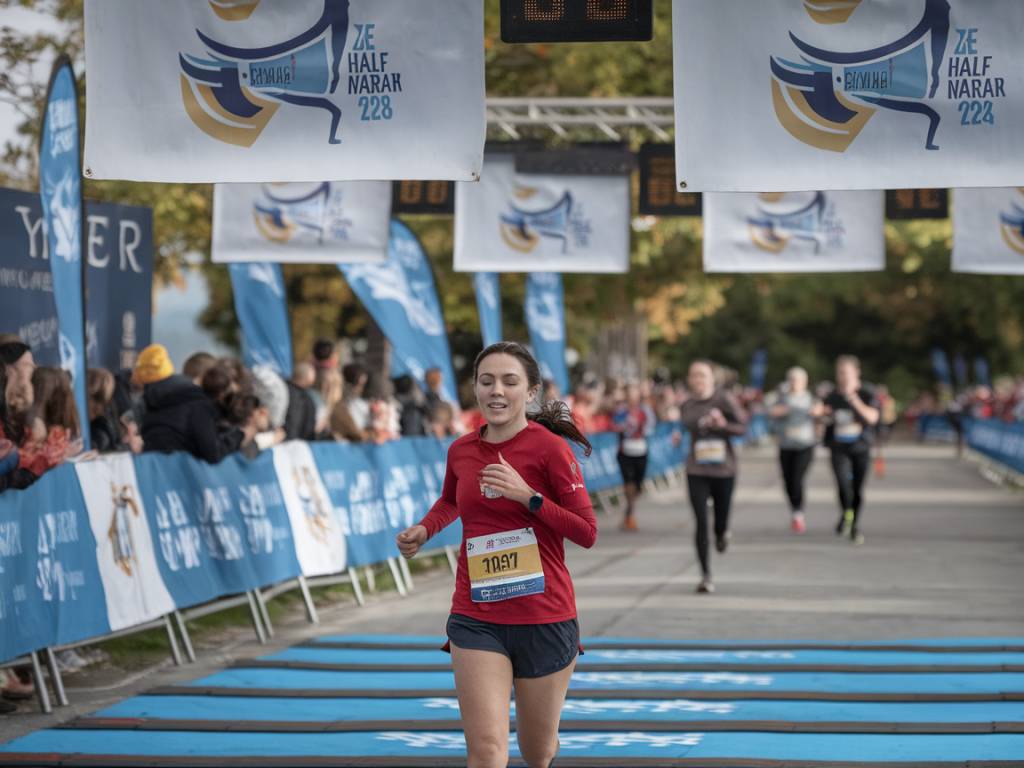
{"x": 783, "y": 218}
{"x": 827, "y": 98}
{"x": 316, "y": 507}
{"x": 64, "y": 213}
{"x": 134, "y": 589}
{"x": 1012, "y": 224}
{"x": 312, "y": 216}
{"x": 456, "y": 741}
{"x": 319, "y": 541}
{"x": 234, "y": 10}
{"x": 232, "y": 93}
{"x": 123, "y": 508}
{"x": 830, "y": 11}
{"x": 524, "y": 225}
{"x": 387, "y": 282}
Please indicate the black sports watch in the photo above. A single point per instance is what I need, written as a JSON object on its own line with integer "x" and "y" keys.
{"x": 536, "y": 502}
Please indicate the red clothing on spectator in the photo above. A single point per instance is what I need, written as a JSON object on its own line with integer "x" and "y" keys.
{"x": 547, "y": 464}
{"x": 37, "y": 457}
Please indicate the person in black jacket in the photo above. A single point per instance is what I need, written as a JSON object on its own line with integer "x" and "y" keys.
{"x": 179, "y": 416}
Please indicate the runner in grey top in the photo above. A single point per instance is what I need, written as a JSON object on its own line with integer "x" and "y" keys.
{"x": 794, "y": 414}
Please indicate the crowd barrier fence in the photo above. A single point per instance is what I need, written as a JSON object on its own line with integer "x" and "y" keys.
{"x": 120, "y": 543}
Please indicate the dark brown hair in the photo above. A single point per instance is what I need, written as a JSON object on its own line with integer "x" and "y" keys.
{"x": 55, "y": 400}
{"x": 554, "y": 415}
{"x": 99, "y": 389}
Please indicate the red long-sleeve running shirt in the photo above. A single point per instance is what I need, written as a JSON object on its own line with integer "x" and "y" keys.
{"x": 548, "y": 466}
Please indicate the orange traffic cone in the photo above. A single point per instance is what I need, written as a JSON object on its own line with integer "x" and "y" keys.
{"x": 880, "y": 465}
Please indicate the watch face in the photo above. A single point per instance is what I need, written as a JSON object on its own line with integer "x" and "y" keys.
{"x": 536, "y": 502}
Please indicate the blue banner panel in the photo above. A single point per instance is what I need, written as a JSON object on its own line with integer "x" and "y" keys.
{"x": 401, "y": 296}
{"x": 50, "y": 588}
{"x": 119, "y": 280}
{"x": 998, "y": 440}
{"x": 263, "y": 315}
{"x": 60, "y": 188}
{"x": 488, "y": 305}
{"x": 545, "y": 318}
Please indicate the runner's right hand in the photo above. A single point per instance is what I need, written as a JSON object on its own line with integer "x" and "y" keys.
{"x": 410, "y": 540}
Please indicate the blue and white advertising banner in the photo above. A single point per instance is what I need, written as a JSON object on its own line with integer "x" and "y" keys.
{"x": 758, "y": 368}
{"x": 50, "y": 588}
{"x": 316, "y": 528}
{"x": 515, "y": 222}
{"x": 545, "y": 319}
{"x": 325, "y": 222}
{"x": 940, "y": 366}
{"x": 134, "y": 589}
{"x": 60, "y": 189}
{"x": 401, "y": 296}
{"x": 998, "y": 440}
{"x": 119, "y": 248}
{"x": 848, "y": 94}
{"x": 488, "y": 305}
{"x": 262, "y": 311}
{"x": 794, "y": 232}
{"x": 988, "y": 230}
{"x": 981, "y": 372}
{"x": 263, "y": 90}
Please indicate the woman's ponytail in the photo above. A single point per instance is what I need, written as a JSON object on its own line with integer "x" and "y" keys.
{"x": 555, "y": 416}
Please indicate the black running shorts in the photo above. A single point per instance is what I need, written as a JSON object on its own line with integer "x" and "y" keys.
{"x": 535, "y": 650}
{"x": 633, "y": 468}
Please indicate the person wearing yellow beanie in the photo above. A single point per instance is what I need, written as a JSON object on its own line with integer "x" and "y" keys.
{"x": 154, "y": 364}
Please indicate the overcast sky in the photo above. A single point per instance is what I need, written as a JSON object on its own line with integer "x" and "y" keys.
{"x": 23, "y": 20}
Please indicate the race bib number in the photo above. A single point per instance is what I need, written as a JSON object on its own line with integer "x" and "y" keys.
{"x": 710, "y": 451}
{"x": 800, "y": 433}
{"x": 847, "y": 428}
{"x": 504, "y": 565}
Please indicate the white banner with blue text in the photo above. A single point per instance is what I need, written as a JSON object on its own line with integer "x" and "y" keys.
{"x": 988, "y": 231}
{"x": 848, "y": 94}
{"x": 326, "y": 222}
{"x": 794, "y": 232}
{"x": 263, "y": 90}
{"x": 516, "y": 222}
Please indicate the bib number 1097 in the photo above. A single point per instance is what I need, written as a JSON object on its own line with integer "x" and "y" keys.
{"x": 496, "y": 564}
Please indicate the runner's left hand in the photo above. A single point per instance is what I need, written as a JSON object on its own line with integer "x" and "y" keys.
{"x": 503, "y": 478}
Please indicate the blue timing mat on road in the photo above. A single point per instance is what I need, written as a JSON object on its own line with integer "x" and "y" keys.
{"x": 942, "y": 701}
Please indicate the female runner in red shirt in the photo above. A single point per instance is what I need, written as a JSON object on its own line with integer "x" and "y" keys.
{"x": 516, "y": 485}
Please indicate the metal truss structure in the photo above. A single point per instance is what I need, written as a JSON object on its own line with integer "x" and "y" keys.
{"x": 561, "y": 115}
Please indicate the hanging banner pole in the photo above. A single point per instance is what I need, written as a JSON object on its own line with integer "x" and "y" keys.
{"x": 60, "y": 187}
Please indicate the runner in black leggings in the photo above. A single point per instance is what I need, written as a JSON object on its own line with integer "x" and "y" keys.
{"x": 713, "y": 418}
{"x": 854, "y": 414}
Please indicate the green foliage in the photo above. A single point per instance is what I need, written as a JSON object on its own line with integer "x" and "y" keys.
{"x": 890, "y": 319}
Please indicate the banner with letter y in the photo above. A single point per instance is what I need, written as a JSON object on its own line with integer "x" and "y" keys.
{"x": 60, "y": 187}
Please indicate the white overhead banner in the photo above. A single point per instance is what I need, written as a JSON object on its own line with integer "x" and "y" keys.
{"x": 266, "y": 90}
{"x": 794, "y": 232}
{"x": 515, "y": 222}
{"x": 327, "y": 222}
{"x": 848, "y": 94}
{"x": 988, "y": 231}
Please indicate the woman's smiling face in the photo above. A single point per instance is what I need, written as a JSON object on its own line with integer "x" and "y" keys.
{"x": 502, "y": 389}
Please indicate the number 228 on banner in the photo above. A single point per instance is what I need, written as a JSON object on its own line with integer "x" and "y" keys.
{"x": 504, "y": 565}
